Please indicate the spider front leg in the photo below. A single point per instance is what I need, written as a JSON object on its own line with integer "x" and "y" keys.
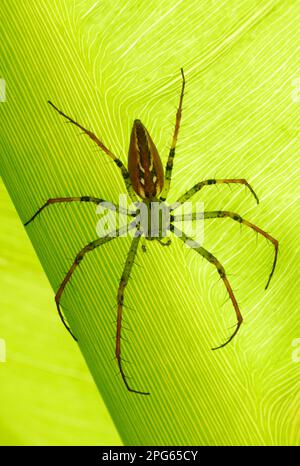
{"x": 118, "y": 162}
{"x": 221, "y": 271}
{"x": 94, "y": 200}
{"x": 120, "y": 300}
{"x": 197, "y": 187}
{"x": 236, "y": 218}
{"x": 170, "y": 161}
{"x": 89, "y": 247}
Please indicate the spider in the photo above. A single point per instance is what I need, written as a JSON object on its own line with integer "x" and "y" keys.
{"x": 146, "y": 180}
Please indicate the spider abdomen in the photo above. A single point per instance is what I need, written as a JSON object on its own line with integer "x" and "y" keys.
{"x": 144, "y": 164}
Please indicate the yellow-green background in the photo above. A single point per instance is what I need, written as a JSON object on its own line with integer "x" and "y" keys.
{"x": 107, "y": 63}
{"x": 47, "y": 394}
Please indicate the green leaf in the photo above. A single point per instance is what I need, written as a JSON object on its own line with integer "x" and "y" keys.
{"x": 107, "y": 63}
{"x": 47, "y": 394}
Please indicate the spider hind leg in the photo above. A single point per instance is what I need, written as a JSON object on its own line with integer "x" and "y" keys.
{"x": 221, "y": 271}
{"x": 237, "y": 218}
{"x": 62, "y": 318}
{"x": 120, "y": 304}
{"x": 79, "y": 257}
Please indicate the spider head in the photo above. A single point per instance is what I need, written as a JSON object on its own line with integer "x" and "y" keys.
{"x": 144, "y": 164}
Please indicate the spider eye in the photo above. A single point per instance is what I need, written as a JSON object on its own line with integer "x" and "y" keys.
{"x": 144, "y": 164}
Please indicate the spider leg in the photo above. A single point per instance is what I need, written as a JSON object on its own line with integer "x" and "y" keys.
{"x": 237, "y": 218}
{"x": 95, "y": 200}
{"x": 186, "y": 196}
{"x": 100, "y": 144}
{"x": 169, "y": 166}
{"x": 144, "y": 247}
{"x": 221, "y": 271}
{"x": 120, "y": 300}
{"x": 89, "y": 247}
{"x": 167, "y": 243}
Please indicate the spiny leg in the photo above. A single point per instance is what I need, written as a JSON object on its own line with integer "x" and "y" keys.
{"x": 213, "y": 260}
{"x": 120, "y": 300}
{"x": 169, "y": 166}
{"x": 95, "y": 200}
{"x": 89, "y": 247}
{"x": 197, "y": 187}
{"x": 100, "y": 144}
{"x": 237, "y": 218}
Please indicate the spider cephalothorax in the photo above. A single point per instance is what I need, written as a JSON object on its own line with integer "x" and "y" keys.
{"x": 145, "y": 177}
